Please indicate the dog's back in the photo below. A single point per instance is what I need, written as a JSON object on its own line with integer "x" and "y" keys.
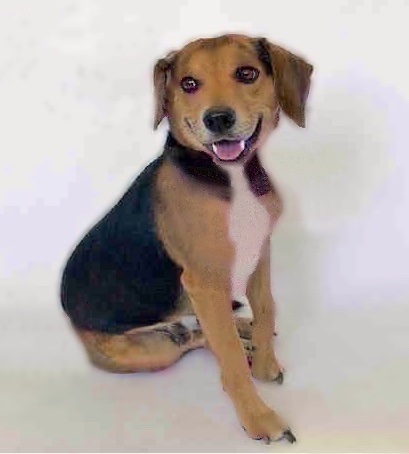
{"x": 119, "y": 276}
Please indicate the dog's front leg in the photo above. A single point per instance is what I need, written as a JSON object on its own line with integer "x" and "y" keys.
{"x": 264, "y": 362}
{"x": 212, "y": 304}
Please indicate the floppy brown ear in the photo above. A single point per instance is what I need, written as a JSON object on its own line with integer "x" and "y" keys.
{"x": 160, "y": 79}
{"x": 292, "y": 78}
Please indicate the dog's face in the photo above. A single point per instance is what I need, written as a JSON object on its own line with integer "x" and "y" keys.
{"x": 223, "y": 95}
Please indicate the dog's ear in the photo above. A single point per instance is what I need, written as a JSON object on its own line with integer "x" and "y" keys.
{"x": 160, "y": 80}
{"x": 291, "y": 75}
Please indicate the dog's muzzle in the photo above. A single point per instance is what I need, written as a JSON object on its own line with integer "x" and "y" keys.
{"x": 233, "y": 150}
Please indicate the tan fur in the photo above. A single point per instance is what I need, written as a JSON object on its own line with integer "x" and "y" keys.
{"x": 214, "y": 62}
{"x": 199, "y": 242}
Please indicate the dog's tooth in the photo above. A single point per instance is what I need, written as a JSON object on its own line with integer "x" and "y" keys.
{"x": 242, "y": 144}
{"x": 214, "y": 148}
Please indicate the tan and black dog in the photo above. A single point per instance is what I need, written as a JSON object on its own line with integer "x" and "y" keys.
{"x": 192, "y": 234}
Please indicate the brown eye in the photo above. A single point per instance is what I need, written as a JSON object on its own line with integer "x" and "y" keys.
{"x": 247, "y": 74}
{"x": 189, "y": 84}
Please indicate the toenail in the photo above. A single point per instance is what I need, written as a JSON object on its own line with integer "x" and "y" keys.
{"x": 280, "y": 378}
{"x": 289, "y": 436}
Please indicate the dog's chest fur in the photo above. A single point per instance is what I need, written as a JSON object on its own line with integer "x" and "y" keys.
{"x": 249, "y": 227}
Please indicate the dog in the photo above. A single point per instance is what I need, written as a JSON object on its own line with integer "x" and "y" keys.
{"x": 159, "y": 274}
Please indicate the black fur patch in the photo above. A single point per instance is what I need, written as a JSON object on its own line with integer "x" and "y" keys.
{"x": 198, "y": 165}
{"x": 259, "y": 181}
{"x": 120, "y": 276}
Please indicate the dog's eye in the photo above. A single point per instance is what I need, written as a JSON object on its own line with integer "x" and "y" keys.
{"x": 247, "y": 74}
{"x": 189, "y": 84}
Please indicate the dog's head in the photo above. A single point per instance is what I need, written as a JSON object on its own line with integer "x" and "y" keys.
{"x": 223, "y": 95}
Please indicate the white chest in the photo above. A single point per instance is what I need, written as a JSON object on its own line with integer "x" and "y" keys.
{"x": 249, "y": 227}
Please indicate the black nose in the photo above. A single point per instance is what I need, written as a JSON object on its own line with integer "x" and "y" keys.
{"x": 219, "y": 120}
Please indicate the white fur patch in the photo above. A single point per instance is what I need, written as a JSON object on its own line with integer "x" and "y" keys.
{"x": 249, "y": 227}
{"x": 190, "y": 322}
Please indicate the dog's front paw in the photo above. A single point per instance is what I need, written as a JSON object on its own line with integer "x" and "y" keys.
{"x": 264, "y": 364}
{"x": 268, "y": 426}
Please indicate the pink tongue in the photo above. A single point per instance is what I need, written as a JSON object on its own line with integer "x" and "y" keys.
{"x": 227, "y": 151}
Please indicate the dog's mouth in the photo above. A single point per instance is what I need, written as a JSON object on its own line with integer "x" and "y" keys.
{"x": 233, "y": 150}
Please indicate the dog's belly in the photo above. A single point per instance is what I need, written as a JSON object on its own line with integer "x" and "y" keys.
{"x": 249, "y": 227}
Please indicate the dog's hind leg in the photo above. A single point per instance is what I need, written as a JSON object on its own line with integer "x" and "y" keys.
{"x": 153, "y": 347}
{"x": 141, "y": 349}
{"x": 150, "y": 348}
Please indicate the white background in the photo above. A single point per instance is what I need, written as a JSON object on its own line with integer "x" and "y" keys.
{"x": 75, "y": 129}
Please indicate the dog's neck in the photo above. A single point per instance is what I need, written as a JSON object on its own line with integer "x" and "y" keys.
{"x": 201, "y": 167}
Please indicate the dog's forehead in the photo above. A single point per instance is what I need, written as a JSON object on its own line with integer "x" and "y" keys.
{"x": 223, "y": 48}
